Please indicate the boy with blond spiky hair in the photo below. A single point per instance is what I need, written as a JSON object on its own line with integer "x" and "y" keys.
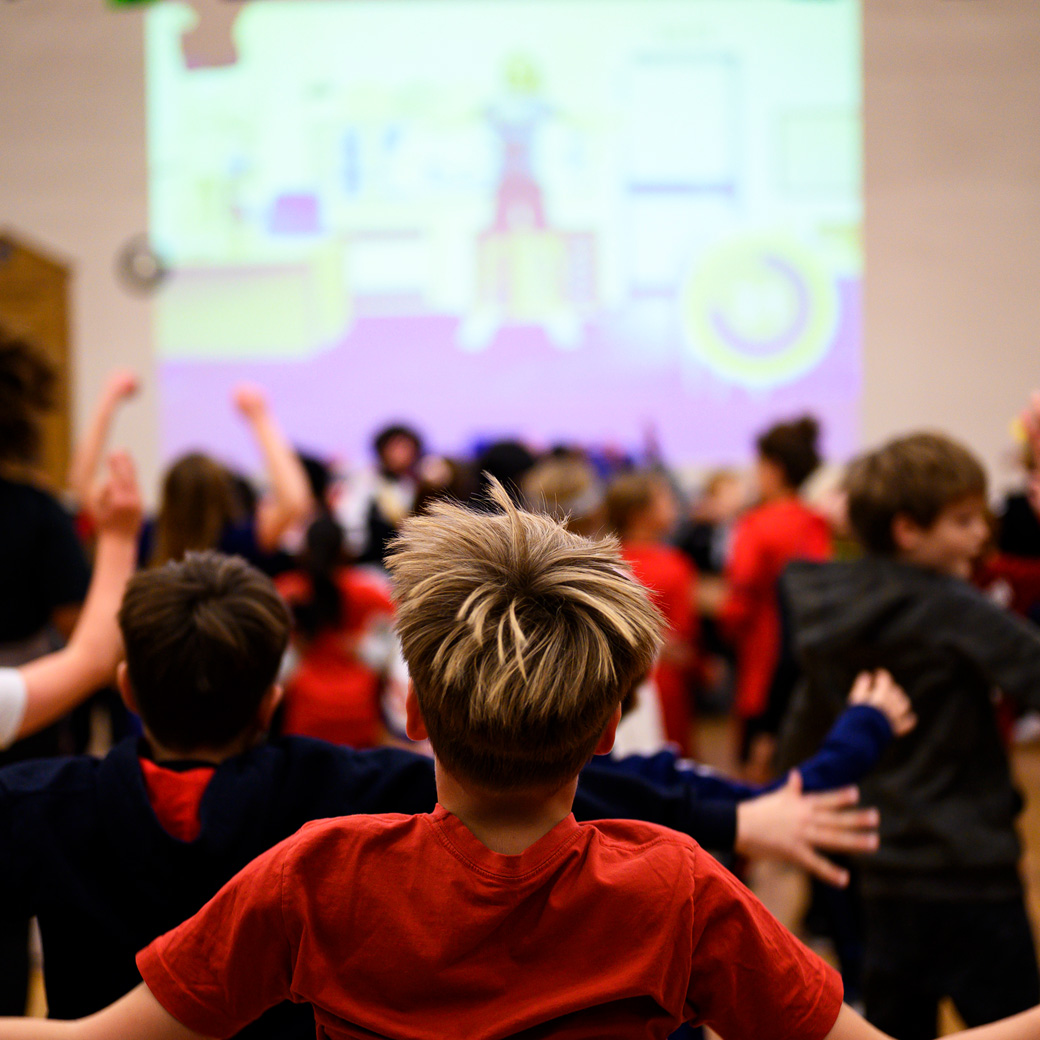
{"x": 497, "y": 914}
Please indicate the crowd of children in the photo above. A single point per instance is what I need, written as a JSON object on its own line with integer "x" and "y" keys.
{"x": 249, "y": 861}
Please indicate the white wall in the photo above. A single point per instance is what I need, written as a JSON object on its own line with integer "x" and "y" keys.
{"x": 73, "y": 177}
{"x": 952, "y": 145}
{"x": 952, "y": 133}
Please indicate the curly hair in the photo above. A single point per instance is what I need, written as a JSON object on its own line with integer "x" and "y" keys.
{"x": 28, "y": 387}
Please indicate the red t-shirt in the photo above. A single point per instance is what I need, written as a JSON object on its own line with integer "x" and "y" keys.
{"x": 407, "y": 926}
{"x": 333, "y": 694}
{"x": 671, "y": 580}
{"x": 765, "y": 541}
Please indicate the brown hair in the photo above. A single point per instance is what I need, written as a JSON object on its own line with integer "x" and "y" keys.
{"x": 28, "y": 383}
{"x": 916, "y": 476}
{"x": 568, "y": 490}
{"x": 792, "y": 447}
{"x": 204, "y": 639}
{"x": 521, "y": 639}
{"x": 198, "y": 502}
{"x": 627, "y": 496}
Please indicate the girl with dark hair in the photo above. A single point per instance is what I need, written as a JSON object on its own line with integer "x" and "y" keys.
{"x": 343, "y": 644}
{"x": 781, "y": 528}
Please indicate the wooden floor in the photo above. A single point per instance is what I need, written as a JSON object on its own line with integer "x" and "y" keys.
{"x": 782, "y": 889}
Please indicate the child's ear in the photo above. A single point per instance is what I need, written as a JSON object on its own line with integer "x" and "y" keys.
{"x": 606, "y": 740}
{"x": 269, "y": 705}
{"x": 906, "y": 533}
{"x": 126, "y": 691}
{"x": 414, "y": 725}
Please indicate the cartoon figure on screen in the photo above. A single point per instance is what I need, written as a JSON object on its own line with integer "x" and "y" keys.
{"x": 527, "y": 272}
{"x": 516, "y": 118}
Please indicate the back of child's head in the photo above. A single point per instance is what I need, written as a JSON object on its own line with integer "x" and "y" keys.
{"x": 198, "y": 502}
{"x": 204, "y": 638}
{"x": 628, "y": 496}
{"x": 28, "y": 384}
{"x": 568, "y": 489}
{"x": 319, "y": 477}
{"x": 521, "y": 639}
{"x": 505, "y": 461}
{"x": 916, "y": 477}
{"x": 793, "y": 448}
{"x": 322, "y": 557}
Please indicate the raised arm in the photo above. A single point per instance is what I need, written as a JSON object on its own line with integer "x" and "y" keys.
{"x": 57, "y": 682}
{"x": 86, "y": 456}
{"x": 290, "y": 498}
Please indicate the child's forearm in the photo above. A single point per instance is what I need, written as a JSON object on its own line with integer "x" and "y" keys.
{"x": 58, "y": 682}
{"x": 137, "y": 1015}
{"x": 290, "y": 492}
{"x": 86, "y": 454}
{"x": 850, "y": 750}
{"x": 1026, "y": 1026}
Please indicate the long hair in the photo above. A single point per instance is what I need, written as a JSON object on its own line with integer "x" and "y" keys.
{"x": 322, "y": 557}
{"x": 198, "y": 502}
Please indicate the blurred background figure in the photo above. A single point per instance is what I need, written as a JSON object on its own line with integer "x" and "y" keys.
{"x": 779, "y": 529}
{"x": 343, "y": 649}
{"x": 641, "y": 510}
{"x": 372, "y": 502}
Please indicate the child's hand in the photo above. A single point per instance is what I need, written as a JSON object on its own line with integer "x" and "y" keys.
{"x": 250, "y": 399}
{"x": 121, "y": 383}
{"x": 116, "y": 508}
{"x": 790, "y": 825}
{"x": 881, "y": 691}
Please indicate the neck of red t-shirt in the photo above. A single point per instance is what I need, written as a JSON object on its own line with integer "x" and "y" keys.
{"x": 175, "y": 795}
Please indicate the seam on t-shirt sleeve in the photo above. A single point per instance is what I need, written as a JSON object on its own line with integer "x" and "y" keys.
{"x": 185, "y": 1006}
{"x": 13, "y": 699}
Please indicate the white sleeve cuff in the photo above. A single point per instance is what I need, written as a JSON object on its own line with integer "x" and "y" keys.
{"x": 13, "y": 697}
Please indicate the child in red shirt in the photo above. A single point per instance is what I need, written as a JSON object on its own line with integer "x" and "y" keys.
{"x": 642, "y": 512}
{"x": 341, "y": 616}
{"x": 767, "y": 538}
{"x": 497, "y": 914}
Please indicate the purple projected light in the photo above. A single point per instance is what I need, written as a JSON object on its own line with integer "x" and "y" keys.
{"x": 509, "y": 232}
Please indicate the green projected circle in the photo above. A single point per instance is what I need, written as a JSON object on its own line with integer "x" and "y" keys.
{"x": 759, "y": 311}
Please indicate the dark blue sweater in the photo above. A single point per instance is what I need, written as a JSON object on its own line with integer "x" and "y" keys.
{"x": 849, "y": 752}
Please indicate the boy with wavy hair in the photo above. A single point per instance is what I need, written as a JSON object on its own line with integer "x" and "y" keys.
{"x": 497, "y": 914}
{"x": 944, "y": 908}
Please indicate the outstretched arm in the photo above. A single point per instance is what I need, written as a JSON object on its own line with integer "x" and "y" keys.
{"x": 1025, "y": 1026}
{"x": 57, "y": 682}
{"x": 86, "y": 456}
{"x": 878, "y": 711}
{"x": 790, "y": 825}
{"x": 290, "y": 498}
{"x": 138, "y": 1014}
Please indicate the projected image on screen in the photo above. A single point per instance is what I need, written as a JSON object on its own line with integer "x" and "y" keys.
{"x": 560, "y": 218}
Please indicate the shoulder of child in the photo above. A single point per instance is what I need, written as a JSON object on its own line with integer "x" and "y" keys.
{"x": 640, "y": 836}
{"x": 60, "y": 777}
